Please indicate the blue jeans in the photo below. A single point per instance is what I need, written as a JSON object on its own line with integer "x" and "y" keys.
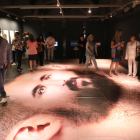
{"x": 93, "y": 59}
{"x": 2, "y": 79}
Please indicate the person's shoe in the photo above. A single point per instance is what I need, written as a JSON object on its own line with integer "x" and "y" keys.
{"x": 18, "y": 70}
{"x": 110, "y": 74}
{"x": 34, "y": 68}
{"x": 3, "y": 101}
{"x": 52, "y": 60}
{"x": 97, "y": 69}
{"x": 134, "y": 76}
{"x": 116, "y": 73}
{"x": 31, "y": 70}
{"x": 129, "y": 74}
{"x": 14, "y": 64}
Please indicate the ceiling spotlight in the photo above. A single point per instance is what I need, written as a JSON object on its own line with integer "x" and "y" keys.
{"x": 89, "y": 11}
{"x": 60, "y": 11}
{"x": 58, "y": 4}
{"x": 16, "y": 18}
{"x": 135, "y": 3}
{"x": 111, "y": 15}
{"x": 8, "y": 15}
{"x": 23, "y": 20}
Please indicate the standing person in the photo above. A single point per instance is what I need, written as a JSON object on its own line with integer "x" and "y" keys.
{"x": 5, "y": 62}
{"x": 90, "y": 47}
{"x": 50, "y": 42}
{"x": 25, "y": 44}
{"x": 14, "y": 53}
{"x": 82, "y": 44}
{"x": 116, "y": 51}
{"x": 19, "y": 48}
{"x": 40, "y": 49}
{"x": 32, "y": 51}
{"x": 131, "y": 53}
{"x": 138, "y": 49}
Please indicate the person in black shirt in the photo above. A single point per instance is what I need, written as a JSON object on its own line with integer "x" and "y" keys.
{"x": 81, "y": 44}
{"x": 41, "y": 48}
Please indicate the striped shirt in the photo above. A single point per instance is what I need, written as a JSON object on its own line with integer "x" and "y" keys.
{"x": 18, "y": 43}
{"x": 5, "y": 53}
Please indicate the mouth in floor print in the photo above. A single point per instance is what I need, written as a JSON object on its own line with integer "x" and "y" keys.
{"x": 53, "y": 103}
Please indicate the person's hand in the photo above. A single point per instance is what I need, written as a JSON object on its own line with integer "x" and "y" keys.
{"x": 91, "y": 53}
{"x": 8, "y": 66}
{"x": 119, "y": 43}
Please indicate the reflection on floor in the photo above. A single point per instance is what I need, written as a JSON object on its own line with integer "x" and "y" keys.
{"x": 60, "y": 101}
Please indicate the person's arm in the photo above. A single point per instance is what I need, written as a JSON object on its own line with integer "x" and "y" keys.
{"x": 13, "y": 43}
{"x": 87, "y": 45}
{"x": 113, "y": 46}
{"x": 9, "y": 57}
{"x": 126, "y": 53}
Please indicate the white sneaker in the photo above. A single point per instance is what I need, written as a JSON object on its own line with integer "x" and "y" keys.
{"x": 134, "y": 76}
{"x": 3, "y": 101}
{"x": 129, "y": 74}
{"x": 13, "y": 64}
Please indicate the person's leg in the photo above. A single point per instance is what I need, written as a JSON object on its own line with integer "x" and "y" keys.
{"x": 2, "y": 79}
{"x": 13, "y": 53}
{"x": 34, "y": 64}
{"x": 116, "y": 67}
{"x": 18, "y": 59}
{"x": 111, "y": 67}
{"x": 129, "y": 67}
{"x": 94, "y": 61}
{"x": 49, "y": 54}
{"x": 83, "y": 56}
{"x": 87, "y": 61}
{"x": 80, "y": 57}
{"x": 135, "y": 67}
{"x": 52, "y": 54}
{"x": 31, "y": 66}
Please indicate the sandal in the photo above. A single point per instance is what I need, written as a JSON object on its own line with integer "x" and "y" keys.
{"x": 110, "y": 74}
{"x": 116, "y": 74}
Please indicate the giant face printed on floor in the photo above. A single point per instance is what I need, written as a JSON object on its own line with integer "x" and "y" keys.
{"x": 51, "y": 105}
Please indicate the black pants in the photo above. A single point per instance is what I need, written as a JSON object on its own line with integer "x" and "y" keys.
{"x": 14, "y": 56}
{"x": 82, "y": 57}
{"x": 19, "y": 58}
{"x": 40, "y": 57}
{"x": 138, "y": 73}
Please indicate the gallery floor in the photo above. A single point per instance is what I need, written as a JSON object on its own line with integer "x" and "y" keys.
{"x": 60, "y": 101}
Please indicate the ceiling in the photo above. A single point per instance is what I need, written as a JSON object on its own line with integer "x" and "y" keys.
{"x": 71, "y": 9}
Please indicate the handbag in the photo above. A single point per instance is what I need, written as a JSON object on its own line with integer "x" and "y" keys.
{"x": 137, "y": 57}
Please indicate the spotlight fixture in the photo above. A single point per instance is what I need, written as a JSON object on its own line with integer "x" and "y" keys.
{"x": 89, "y": 11}
{"x": 60, "y": 11}
{"x": 111, "y": 15}
{"x": 23, "y": 20}
{"x": 16, "y": 18}
{"x": 58, "y": 4}
{"x": 8, "y": 15}
{"x": 135, "y": 3}
{"x": 126, "y": 9}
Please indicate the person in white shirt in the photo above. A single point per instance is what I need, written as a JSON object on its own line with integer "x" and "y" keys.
{"x": 131, "y": 53}
{"x": 50, "y": 42}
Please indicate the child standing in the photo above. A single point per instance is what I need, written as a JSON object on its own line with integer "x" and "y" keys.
{"x": 90, "y": 47}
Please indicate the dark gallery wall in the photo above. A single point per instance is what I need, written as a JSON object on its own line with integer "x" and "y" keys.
{"x": 73, "y": 31}
{"x": 9, "y": 24}
{"x": 129, "y": 24}
{"x": 33, "y": 27}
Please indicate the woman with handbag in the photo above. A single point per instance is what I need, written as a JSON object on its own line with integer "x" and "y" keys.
{"x": 32, "y": 52}
{"x": 131, "y": 54}
{"x": 40, "y": 50}
{"x": 116, "y": 51}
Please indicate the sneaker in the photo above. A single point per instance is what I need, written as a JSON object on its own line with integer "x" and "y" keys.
{"x": 129, "y": 74}
{"x": 31, "y": 70}
{"x": 134, "y": 76}
{"x": 18, "y": 70}
{"x": 14, "y": 64}
{"x": 97, "y": 69}
{"x": 3, "y": 101}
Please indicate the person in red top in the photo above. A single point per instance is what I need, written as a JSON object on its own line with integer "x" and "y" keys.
{"x": 32, "y": 52}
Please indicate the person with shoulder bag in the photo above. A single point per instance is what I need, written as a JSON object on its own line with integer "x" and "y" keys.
{"x": 131, "y": 54}
{"x": 116, "y": 51}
